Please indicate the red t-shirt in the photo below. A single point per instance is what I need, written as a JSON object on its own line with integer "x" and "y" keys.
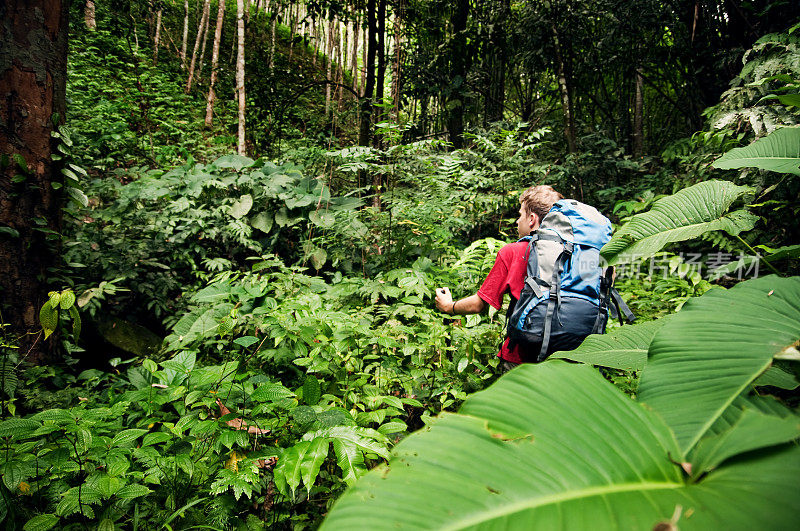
{"x": 507, "y": 276}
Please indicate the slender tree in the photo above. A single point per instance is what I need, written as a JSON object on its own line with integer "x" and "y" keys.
{"x": 240, "y": 147}
{"x": 33, "y": 84}
{"x": 202, "y": 57}
{"x": 638, "y": 114}
{"x": 354, "y": 56}
{"x": 273, "y": 39}
{"x": 185, "y": 32}
{"x": 396, "y": 63}
{"x": 496, "y": 62}
{"x": 380, "y": 81}
{"x": 328, "y": 60}
{"x": 365, "y": 131}
{"x": 458, "y": 74}
{"x": 563, "y": 86}
{"x": 157, "y": 38}
{"x": 200, "y": 28}
{"x": 214, "y": 60}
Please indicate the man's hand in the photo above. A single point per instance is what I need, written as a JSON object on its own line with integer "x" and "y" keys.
{"x": 444, "y": 300}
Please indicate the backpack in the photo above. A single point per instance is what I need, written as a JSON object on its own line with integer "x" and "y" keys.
{"x": 566, "y": 293}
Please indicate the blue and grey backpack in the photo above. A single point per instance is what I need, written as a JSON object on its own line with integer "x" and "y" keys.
{"x": 566, "y": 293}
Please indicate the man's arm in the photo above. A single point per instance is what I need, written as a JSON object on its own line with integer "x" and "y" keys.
{"x": 465, "y": 306}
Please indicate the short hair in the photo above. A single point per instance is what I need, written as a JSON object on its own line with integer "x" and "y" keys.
{"x": 539, "y": 199}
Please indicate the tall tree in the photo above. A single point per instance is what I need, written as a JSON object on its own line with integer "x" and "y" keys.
{"x": 564, "y": 89}
{"x": 380, "y": 80}
{"x": 200, "y": 28}
{"x": 33, "y": 88}
{"x": 365, "y": 130}
{"x": 185, "y": 32}
{"x": 354, "y": 56}
{"x": 214, "y": 63}
{"x": 458, "y": 73}
{"x": 157, "y": 38}
{"x": 496, "y": 62}
{"x": 397, "y": 62}
{"x": 240, "y": 146}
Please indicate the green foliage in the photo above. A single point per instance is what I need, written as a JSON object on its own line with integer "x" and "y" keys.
{"x": 683, "y": 216}
{"x": 762, "y": 96}
{"x": 630, "y": 465}
{"x": 778, "y": 151}
{"x": 156, "y": 233}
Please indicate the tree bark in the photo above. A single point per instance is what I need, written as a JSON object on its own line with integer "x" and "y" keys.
{"x": 328, "y": 63}
{"x": 397, "y": 64}
{"x": 214, "y": 63}
{"x": 185, "y": 33}
{"x": 365, "y": 130}
{"x": 88, "y": 15}
{"x": 32, "y": 91}
{"x": 369, "y": 85}
{"x": 354, "y": 56}
{"x": 566, "y": 101}
{"x": 381, "y": 78}
{"x": 638, "y": 115}
{"x": 157, "y": 39}
{"x": 202, "y": 58}
{"x": 496, "y": 91}
{"x": 458, "y": 74}
{"x": 273, "y": 38}
{"x": 364, "y": 53}
{"x": 200, "y": 28}
{"x": 240, "y": 146}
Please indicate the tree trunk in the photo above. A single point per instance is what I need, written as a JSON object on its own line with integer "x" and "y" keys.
{"x": 364, "y": 53}
{"x": 88, "y": 15}
{"x": 200, "y": 28}
{"x": 328, "y": 62}
{"x": 185, "y": 33}
{"x": 566, "y": 101}
{"x": 496, "y": 91}
{"x": 455, "y": 118}
{"x": 396, "y": 64}
{"x": 272, "y": 41}
{"x": 202, "y": 58}
{"x": 33, "y": 89}
{"x": 214, "y": 63}
{"x": 354, "y": 56}
{"x": 366, "y": 101}
{"x": 240, "y": 147}
{"x": 341, "y": 57}
{"x": 381, "y": 79}
{"x": 157, "y": 39}
{"x": 638, "y": 115}
{"x": 294, "y": 15}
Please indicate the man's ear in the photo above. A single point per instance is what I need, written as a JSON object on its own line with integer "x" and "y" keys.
{"x": 534, "y": 221}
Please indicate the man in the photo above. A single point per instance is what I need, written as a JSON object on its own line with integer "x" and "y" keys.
{"x": 508, "y": 273}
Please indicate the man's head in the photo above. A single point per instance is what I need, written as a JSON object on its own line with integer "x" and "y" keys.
{"x": 535, "y": 203}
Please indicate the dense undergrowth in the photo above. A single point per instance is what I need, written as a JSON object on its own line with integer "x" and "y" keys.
{"x": 300, "y": 340}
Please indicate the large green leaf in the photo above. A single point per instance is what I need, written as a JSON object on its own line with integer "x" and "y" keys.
{"x": 714, "y": 348}
{"x": 752, "y": 431}
{"x": 687, "y": 214}
{"x": 621, "y": 348}
{"x": 555, "y": 446}
{"x": 778, "y": 151}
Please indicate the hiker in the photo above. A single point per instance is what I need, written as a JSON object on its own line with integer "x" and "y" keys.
{"x": 560, "y": 291}
{"x": 508, "y": 273}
